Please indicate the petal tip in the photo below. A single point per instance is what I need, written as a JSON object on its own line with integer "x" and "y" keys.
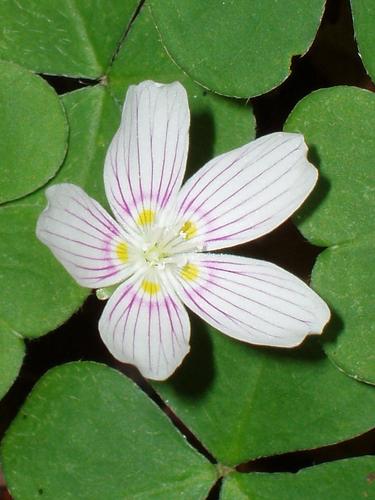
{"x": 152, "y": 336}
{"x": 162, "y": 373}
{"x": 157, "y": 86}
{"x": 323, "y": 315}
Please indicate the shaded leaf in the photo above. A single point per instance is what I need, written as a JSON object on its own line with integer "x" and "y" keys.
{"x": 344, "y": 479}
{"x": 342, "y": 276}
{"x": 363, "y": 20}
{"x": 12, "y": 350}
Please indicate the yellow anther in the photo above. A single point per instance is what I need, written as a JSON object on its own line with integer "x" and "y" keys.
{"x": 189, "y": 272}
{"x": 122, "y": 251}
{"x": 188, "y": 230}
{"x": 146, "y": 217}
{"x": 150, "y": 287}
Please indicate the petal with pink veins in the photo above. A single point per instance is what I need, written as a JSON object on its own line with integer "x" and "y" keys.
{"x": 144, "y": 323}
{"x": 146, "y": 160}
{"x": 246, "y": 193}
{"x": 83, "y": 237}
{"x": 250, "y": 300}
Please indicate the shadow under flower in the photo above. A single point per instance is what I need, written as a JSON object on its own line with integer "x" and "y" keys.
{"x": 202, "y": 139}
{"x": 333, "y": 329}
{"x": 195, "y": 376}
{"x": 320, "y": 192}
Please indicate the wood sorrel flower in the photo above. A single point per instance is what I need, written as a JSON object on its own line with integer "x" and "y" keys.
{"x": 157, "y": 250}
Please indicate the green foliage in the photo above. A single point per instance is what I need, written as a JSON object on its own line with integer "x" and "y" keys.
{"x": 72, "y": 38}
{"x": 93, "y": 118}
{"x": 341, "y": 275}
{"x": 38, "y": 294}
{"x": 86, "y": 431}
{"x": 363, "y": 20}
{"x": 12, "y": 350}
{"x": 345, "y": 479}
{"x": 231, "y": 46}
{"x": 218, "y": 124}
{"x": 338, "y": 126}
{"x": 243, "y": 403}
{"x": 33, "y": 144}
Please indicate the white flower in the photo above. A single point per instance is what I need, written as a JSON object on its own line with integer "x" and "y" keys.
{"x": 158, "y": 247}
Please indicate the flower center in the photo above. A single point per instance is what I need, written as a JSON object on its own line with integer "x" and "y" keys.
{"x": 168, "y": 244}
{"x": 154, "y": 255}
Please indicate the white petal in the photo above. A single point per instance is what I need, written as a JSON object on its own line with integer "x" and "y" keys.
{"x": 251, "y": 300}
{"x": 248, "y": 192}
{"x": 145, "y": 324}
{"x": 146, "y": 160}
{"x": 83, "y": 237}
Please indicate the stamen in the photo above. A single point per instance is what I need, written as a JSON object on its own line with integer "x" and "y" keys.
{"x": 181, "y": 245}
{"x": 173, "y": 238}
{"x": 188, "y": 230}
{"x": 165, "y": 245}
